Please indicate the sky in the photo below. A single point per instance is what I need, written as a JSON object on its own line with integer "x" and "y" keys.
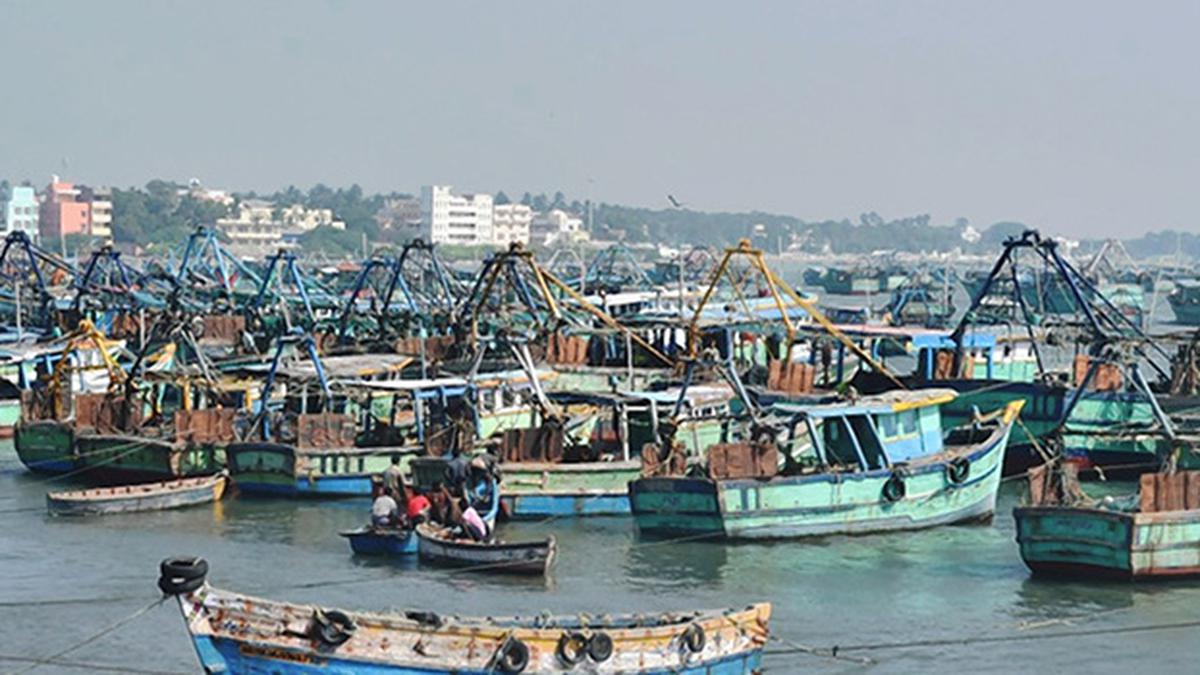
{"x": 1076, "y": 117}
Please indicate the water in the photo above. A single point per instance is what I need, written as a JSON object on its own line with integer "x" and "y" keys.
{"x": 943, "y": 583}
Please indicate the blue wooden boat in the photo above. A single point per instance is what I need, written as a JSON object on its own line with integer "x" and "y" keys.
{"x": 367, "y": 540}
{"x": 234, "y": 633}
{"x": 871, "y": 466}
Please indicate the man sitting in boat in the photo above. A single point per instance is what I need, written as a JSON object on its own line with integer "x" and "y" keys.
{"x": 473, "y": 525}
{"x": 419, "y": 509}
{"x": 385, "y": 512}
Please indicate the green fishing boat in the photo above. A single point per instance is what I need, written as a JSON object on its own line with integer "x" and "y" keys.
{"x": 116, "y": 459}
{"x": 1153, "y": 534}
{"x": 875, "y": 465}
{"x": 46, "y": 446}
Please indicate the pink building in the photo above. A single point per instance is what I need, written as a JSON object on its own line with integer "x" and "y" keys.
{"x": 62, "y": 213}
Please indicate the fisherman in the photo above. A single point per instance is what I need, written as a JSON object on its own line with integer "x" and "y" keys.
{"x": 393, "y": 479}
{"x": 474, "y": 526}
{"x": 419, "y": 509}
{"x": 385, "y": 513}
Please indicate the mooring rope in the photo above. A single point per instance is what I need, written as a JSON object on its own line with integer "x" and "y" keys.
{"x": 49, "y": 660}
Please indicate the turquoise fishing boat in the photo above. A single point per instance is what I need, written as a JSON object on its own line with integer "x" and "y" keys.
{"x": 585, "y": 470}
{"x": 235, "y": 633}
{"x": 1153, "y": 534}
{"x": 874, "y": 465}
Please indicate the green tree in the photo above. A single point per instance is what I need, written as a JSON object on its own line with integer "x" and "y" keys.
{"x": 501, "y": 198}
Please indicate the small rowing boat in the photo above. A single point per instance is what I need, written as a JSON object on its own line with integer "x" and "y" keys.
{"x": 368, "y": 540}
{"x": 437, "y": 545}
{"x": 172, "y": 494}
{"x": 234, "y": 633}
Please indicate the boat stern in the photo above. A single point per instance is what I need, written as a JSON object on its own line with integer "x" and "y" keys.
{"x": 677, "y": 506}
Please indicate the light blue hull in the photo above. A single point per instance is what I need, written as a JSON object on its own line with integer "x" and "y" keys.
{"x": 348, "y": 486}
{"x": 544, "y": 506}
{"x": 227, "y": 656}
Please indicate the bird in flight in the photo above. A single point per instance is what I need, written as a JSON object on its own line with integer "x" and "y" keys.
{"x": 675, "y": 202}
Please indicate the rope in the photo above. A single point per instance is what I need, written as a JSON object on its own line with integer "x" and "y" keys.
{"x": 35, "y": 662}
{"x": 990, "y": 639}
{"x": 88, "y": 665}
{"x": 68, "y": 601}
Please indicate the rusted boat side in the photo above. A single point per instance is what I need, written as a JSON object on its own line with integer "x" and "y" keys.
{"x": 1160, "y": 537}
{"x": 237, "y": 633}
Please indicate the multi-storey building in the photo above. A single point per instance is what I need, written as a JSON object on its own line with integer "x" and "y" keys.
{"x": 62, "y": 212}
{"x": 20, "y": 212}
{"x": 510, "y": 222}
{"x": 447, "y": 218}
{"x": 100, "y": 211}
{"x": 556, "y": 225}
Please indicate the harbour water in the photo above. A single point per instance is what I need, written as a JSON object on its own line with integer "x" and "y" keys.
{"x": 942, "y": 584}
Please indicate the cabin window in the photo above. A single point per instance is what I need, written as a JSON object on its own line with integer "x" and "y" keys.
{"x": 871, "y": 448}
{"x": 801, "y": 449}
{"x": 887, "y": 425}
{"x": 908, "y": 422}
{"x": 839, "y": 449}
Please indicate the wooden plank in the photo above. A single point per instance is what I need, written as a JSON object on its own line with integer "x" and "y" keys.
{"x": 1191, "y": 499}
{"x": 1148, "y": 493}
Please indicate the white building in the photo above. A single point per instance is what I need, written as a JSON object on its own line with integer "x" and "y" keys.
{"x": 556, "y": 225}
{"x": 20, "y": 212}
{"x": 252, "y": 224}
{"x": 511, "y": 222}
{"x": 455, "y": 219}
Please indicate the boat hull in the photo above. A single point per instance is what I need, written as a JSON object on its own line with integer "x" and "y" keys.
{"x": 120, "y": 460}
{"x": 536, "y": 490}
{"x": 533, "y": 558}
{"x": 1082, "y": 542}
{"x": 254, "y": 635}
{"x": 366, "y": 541}
{"x": 134, "y": 498}
{"x": 277, "y": 469}
{"x": 822, "y": 504}
{"x": 229, "y": 656}
{"x": 46, "y": 446}
{"x": 1088, "y": 437}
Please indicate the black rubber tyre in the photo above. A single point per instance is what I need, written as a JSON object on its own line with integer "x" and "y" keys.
{"x": 600, "y": 647}
{"x": 177, "y": 586}
{"x": 894, "y": 489}
{"x": 572, "y": 648}
{"x": 332, "y": 628}
{"x": 513, "y": 657}
{"x": 694, "y": 638}
{"x": 958, "y": 471}
{"x": 184, "y": 568}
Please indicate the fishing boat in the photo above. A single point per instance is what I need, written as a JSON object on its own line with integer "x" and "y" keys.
{"x": 142, "y": 497}
{"x": 439, "y": 546}
{"x": 84, "y": 366}
{"x": 580, "y": 461}
{"x": 235, "y": 633}
{"x": 874, "y": 465}
{"x": 1185, "y": 301}
{"x": 369, "y": 540}
{"x": 1153, "y": 534}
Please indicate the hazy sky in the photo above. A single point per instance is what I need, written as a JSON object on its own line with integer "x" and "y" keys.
{"x": 1078, "y": 117}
